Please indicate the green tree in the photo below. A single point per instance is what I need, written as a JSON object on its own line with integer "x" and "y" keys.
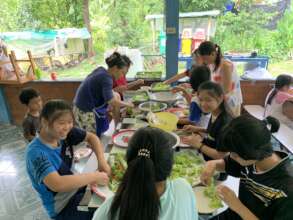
{"x": 50, "y": 13}
{"x": 283, "y": 36}
{"x": 243, "y": 31}
{"x": 201, "y": 5}
{"x": 8, "y": 15}
{"x": 127, "y": 21}
{"x": 100, "y": 23}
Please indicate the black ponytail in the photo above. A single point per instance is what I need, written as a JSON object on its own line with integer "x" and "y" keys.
{"x": 249, "y": 137}
{"x": 207, "y": 48}
{"x": 218, "y": 57}
{"x": 116, "y": 59}
{"x": 149, "y": 158}
{"x": 273, "y": 123}
{"x": 281, "y": 81}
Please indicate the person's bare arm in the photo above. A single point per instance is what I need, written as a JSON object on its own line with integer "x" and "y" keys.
{"x": 175, "y": 78}
{"x": 97, "y": 147}
{"x": 185, "y": 94}
{"x": 194, "y": 129}
{"x": 120, "y": 89}
{"x": 195, "y": 141}
{"x": 227, "y": 70}
{"x": 210, "y": 168}
{"x": 58, "y": 183}
{"x": 116, "y": 102}
{"x": 234, "y": 203}
{"x": 123, "y": 88}
{"x": 135, "y": 83}
{"x": 211, "y": 152}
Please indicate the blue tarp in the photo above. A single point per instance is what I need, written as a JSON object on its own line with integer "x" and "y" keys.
{"x": 46, "y": 34}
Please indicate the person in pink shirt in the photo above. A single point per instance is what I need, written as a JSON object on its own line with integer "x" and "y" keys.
{"x": 278, "y": 96}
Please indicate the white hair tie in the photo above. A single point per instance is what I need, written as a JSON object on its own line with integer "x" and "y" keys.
{"x": 144, "y": 153}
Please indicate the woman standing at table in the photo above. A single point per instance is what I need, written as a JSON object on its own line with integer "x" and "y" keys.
{"x": 266, "y": 176}
{"x": 95, "y": 95}
{"x": 224, "y": 73}
{"x": 145, "y": 192}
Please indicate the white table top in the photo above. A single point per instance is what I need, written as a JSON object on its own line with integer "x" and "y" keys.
{"x": 284, "y": 135}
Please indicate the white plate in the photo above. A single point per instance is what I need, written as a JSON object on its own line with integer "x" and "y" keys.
{"x": 202, "y": 202}
{"x": 177, "y": 139}
{"x": 121, "y": 139}
{"x": 181, "y": 134}
{"x": 145, "y": 106}
{"x": 82, "y": 153}
{"x": 165, "y": 97}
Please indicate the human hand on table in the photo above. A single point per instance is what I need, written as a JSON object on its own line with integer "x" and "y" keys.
{"x": 139, "y": 82}
{"x": 229, "y": 197}
{"x": 129, "y": 104}
{"x": 104, "y": 166}
{"x": 101, "y": 178}
{"x": 208, "y": 172}
{"x": 177, "y": 89}
{"x": 194, "y": 140}
{"x": 185, "y": 85}
{"x": 191, "y": 128}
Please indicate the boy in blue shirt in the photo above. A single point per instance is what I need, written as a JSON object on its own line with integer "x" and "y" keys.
{"x": 49, "y": 159}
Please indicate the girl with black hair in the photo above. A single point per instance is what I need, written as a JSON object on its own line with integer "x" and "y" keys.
{"x": 49, "y": 161}
{"x": 277, "y": 97}
{"x": 198, "y": 75}
{"x": 196, "y": 61}
{"x": 95, "y": 93}
{"x": 224, "y": 73}
{"x": 266, "y": 176}
{"x": 211, "y": 99}
{"x": 145, "y": 193}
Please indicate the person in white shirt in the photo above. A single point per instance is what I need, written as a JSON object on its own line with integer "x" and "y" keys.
{"x": 224, "y": 73}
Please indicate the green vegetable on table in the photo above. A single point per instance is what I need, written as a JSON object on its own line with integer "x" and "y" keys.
{"x": 129, "y": 111}
{"x": 188, "y": 166}
{"x": 140, "y": 97}
{"x": 149, "y": 75}
{"x": 155, "y": 107}
{"x": 160, "y": 86}
{"x": 118, "y": 166}
{"x": 210, "y": 192}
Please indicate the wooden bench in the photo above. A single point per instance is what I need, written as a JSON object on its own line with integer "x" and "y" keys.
{"x": 284, "y": 135}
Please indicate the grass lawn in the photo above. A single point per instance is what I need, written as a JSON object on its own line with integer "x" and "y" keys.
{"x": 284, "y": 67}
{"x": 88, "y": 65}
{"x": 81, "y": 70}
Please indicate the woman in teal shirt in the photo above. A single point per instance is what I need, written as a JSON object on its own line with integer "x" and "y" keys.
{"x": 145, "y": 193}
